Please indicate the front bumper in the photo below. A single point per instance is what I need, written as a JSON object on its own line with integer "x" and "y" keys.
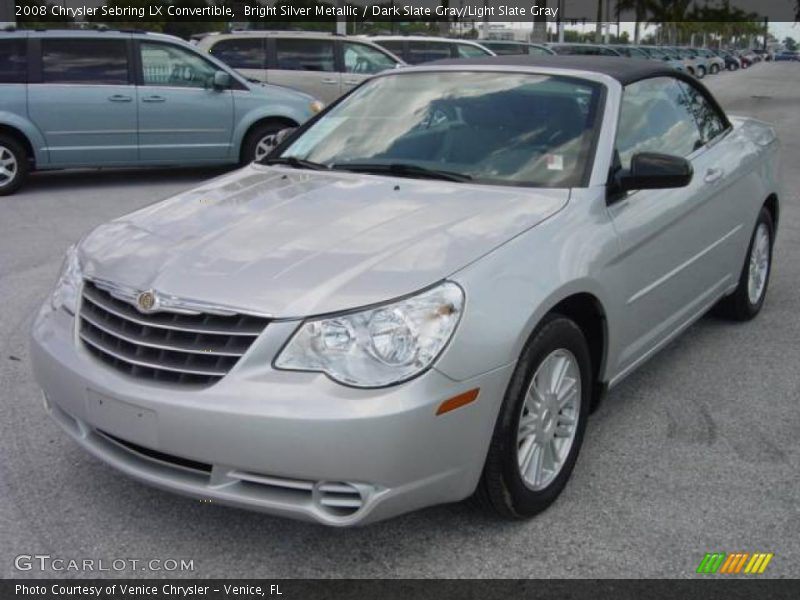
{"x": 289, "y": 444}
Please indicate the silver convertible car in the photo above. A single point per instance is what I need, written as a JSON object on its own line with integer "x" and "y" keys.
{"x": 418, "y": 296}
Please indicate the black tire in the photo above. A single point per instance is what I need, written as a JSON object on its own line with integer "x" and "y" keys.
{"x": 738, "y": 306}
{"x": 714, "y": 69}
{"x": 701, "y": 72}
{"x": 255, "y": 136}
{"x": 502, "y": 489}
{"x": 12, "y": 152}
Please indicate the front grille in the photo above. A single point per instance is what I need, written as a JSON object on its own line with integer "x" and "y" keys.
{"x": 189, "y": 349}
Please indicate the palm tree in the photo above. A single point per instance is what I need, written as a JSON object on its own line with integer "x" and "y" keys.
{"x": 669, "y": 14}
{"x": 639, "y": 8}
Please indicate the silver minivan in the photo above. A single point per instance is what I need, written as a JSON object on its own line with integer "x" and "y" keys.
{"x": 323, "y": 65}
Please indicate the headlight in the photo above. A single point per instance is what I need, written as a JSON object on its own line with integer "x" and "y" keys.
{"x": 69, "y": 283}
{"x": 316, "y": 106}
{"x": 380, "y": 346}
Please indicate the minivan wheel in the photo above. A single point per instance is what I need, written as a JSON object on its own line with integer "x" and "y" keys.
{"x": 748, "y": 298}
{"x": 13, "y": 165}
{"x": 260, "y": 141}
{"x": 714, "y": 69}
{"x": 701, "y": 72}
{"x": 542, "y": 420}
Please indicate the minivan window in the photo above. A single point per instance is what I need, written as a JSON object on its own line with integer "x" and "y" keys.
{"x": 85, "y": 61}
{"x": 469, "y": 51}
{"x": 360, "y": 58}
{"x": 170, "y": 66}
{"x": 304, "y": 55}
{"x": 241, "y": 53}
{"x": 13, "y": 61}
{"x": 420, "y": 52}
{"x": 393, "y": 46}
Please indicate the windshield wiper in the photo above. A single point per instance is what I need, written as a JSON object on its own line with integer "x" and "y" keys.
{"x": 403, "y": 170}
{"x": 295, "y": 163}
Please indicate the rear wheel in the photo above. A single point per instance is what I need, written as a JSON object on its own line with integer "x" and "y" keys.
{"x": 701, "y": 71}
{"x": 13, "y": 165}
{"x": 714, "y": 69}
{"x": 748, "y": 298}
{"x": 541, "y": 424}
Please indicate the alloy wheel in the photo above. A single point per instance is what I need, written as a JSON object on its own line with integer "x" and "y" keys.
{"x": 265, "y": 146}
{"x": 8, "y": 166}
{"x": 759, "y": 264}
{"x": 549, "y": 419}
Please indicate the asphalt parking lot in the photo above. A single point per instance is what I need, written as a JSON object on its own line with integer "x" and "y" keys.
{"x": 698, "y": 451}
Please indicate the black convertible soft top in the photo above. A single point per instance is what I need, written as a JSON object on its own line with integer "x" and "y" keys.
{"x": 624, "y": 70}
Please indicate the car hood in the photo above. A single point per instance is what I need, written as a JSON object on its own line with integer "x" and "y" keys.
{"x": 284, "y": 242}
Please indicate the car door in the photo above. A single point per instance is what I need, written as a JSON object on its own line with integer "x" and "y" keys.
{"x": 669, "y": 268}
{"x": 182, "y": 116}
{"x": 305, "y": 64}
{"x": 361, "y": 61}
{"x": 82, "y": 98}
{"x": 248, "y": 55}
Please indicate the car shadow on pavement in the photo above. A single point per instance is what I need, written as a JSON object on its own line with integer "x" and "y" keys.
{"x": 88, "y": 178}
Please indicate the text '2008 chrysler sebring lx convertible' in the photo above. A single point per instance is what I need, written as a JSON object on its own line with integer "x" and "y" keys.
{"x": 419, "y": 296}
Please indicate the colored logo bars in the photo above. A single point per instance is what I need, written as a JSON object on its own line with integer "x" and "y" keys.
{"x": 736, "y": 562}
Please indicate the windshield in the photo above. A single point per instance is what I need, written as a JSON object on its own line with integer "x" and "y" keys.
{"x": 499, "y": 128}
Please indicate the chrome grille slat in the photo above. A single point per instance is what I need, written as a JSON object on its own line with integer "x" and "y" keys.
{"x": 166, "y": 320}
{"x": 112, "y": 330}
{"x": 166, "y": 347}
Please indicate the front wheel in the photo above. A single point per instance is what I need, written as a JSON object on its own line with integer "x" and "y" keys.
{"x": 13, "y": 165}
{"x": 540, "y": 428}
{"x": 714, "y": 69}
{"x": 701, "y": 72}
{"x": 748, "y": 298}
{"x": 261, "y": 141}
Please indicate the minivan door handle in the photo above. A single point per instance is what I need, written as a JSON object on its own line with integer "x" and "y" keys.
{"x": 351, "y": 82}
{"x": 154, "y": 99}
{"x": 120, "y": 98}
{"x": 713, "y": 175}
{"x": 330, "y": 81}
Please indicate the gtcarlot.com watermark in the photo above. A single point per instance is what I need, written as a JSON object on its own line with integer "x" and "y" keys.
{"x": 47, "y": 562}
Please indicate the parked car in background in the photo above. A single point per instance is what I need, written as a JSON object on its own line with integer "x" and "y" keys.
{"x": 732, "y": 63}
{"x": 583, "y": 49}
{"x": 629, "y": 51}
{"x": 505, "y": 47}
{"x": 763, "y": 54}
{"x": 746, "y": 58}
{"x": 418, "y": 49}
{"x": 323, "y": 65}
{"x": 399, "y": 307}
{"x": 787, "y": 55}
{"x": 715, "y": 63}
{"x": 695, "y": 65}
{"x": 83, "y": 98}
{"x": 654, "y": 53}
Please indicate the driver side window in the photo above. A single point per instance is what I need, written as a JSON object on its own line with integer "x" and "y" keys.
{"x": 169, "y": 66}
{"x": 656, "y": 116}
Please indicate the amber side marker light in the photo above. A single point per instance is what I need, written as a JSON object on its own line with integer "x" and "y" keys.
{"x": 457, "y": 401}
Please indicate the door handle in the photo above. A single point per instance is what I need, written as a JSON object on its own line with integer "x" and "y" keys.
{"x": 329, "y": 81}
{"x": 154, "y": 99}
{"x": 120, "y": 98}
{"x": 713, "y": 175}
{"x": 351, "y": 82}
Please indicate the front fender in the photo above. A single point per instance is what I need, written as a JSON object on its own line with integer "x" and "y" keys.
{"x": 280, "y": 111}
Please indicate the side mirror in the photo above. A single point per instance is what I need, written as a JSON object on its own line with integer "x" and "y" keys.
{"x": 222, "y": 80}
{"x": 653, "y": 171}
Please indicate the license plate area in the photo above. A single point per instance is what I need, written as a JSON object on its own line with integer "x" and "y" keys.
{"x": 125, "y": 420}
